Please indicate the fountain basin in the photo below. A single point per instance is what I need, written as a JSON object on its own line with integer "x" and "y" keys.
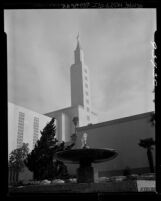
{"x": 85, "y": 157}
{"x": 88, "y": 154}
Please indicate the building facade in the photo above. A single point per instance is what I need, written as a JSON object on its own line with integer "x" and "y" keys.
{"x": 24, "y": 125}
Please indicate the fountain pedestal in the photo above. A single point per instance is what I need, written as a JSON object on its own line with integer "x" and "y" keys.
{"x": 85, "y": 172}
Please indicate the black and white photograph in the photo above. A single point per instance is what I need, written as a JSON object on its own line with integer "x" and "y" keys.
{"x": 81, "y": 100}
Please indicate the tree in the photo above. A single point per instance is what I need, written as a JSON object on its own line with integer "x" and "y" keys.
{"x": 17, "y": 158}
{"x": 147, "y": 144}
{"x": 127, "y": 171}
{"x": 152, "y": 119}
{"x": 41, "y": 161}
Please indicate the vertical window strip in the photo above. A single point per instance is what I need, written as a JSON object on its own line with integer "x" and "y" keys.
{"x": 36, "y": 130}
{"x": 20, "y": 129}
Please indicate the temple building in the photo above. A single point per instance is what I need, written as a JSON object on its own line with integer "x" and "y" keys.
{"x": 122, "y": 134}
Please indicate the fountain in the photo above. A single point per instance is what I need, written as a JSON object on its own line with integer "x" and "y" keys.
{"x": 85, "y": 156}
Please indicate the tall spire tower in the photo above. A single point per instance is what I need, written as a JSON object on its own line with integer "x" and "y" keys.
{"x": 80, "y": 85}
{"x": 80, "y": 99}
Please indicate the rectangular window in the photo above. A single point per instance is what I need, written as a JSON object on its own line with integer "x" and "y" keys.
{"x": 88, "y": 118}
{"x": 86, "y": 85}
{"x": 20, "y": 131}
{"x": 86, "y": 78}
{"x": 85, "y": 70}
{"x": 87, "y": 93}
{"x": 87, "y": 101}
{"x": 36, "y": 130}
{"x": 88, "y": 109}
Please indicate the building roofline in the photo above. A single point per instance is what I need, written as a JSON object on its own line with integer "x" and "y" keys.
{"x": 116, "y": 121}
{"x": 26, "y": 109}
{"x": 67, "y": 108}
{"x": 64, "y": 109}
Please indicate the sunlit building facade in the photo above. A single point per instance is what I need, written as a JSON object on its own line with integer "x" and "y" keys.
{"x": 24, "y": 125}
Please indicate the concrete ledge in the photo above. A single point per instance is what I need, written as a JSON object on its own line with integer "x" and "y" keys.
{"x": 122, "y": 186}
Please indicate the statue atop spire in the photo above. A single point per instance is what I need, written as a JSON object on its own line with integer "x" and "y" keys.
{"x": 78, "y": 37}
{"x": 78, "y": 43}
{"x": 78, "y": 51}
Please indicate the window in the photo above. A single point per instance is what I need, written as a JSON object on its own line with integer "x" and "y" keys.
{"x": 20, "y": 129}
{"x": 36, "y": 130}
{"x": 87, "y": 101}
{"x": 88, "y": 109}
{"x": 88, "y": 117}
{"x": 86, "y": 85}
{"x": 85, "y": 70}
{"x": 87, "y": 93}
{"x": 86, "y": 78}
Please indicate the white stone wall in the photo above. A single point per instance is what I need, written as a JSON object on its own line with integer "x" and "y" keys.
{"x": 13, "y": 116}
{"x": 64, "y": 126}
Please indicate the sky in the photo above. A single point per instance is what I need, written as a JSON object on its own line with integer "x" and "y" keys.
{"x": 117, "y": 50}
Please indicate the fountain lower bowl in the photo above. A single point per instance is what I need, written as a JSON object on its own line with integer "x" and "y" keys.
{"x": 93, "y": 155}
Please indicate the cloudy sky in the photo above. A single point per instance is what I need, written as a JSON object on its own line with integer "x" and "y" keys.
{"x": 118, "y": 52}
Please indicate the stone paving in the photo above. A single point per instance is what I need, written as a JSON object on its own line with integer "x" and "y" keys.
{"x": 122, "y": 186}
{"x": 134, "y": 183}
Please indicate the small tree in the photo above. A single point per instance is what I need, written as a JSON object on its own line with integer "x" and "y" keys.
{"x": 127, "y": 171}
{"x": 152, "y": 119}
{"x": 147, "y": 144}
{"x": 41, "y": 161}
{"x": 17, "y": 158}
